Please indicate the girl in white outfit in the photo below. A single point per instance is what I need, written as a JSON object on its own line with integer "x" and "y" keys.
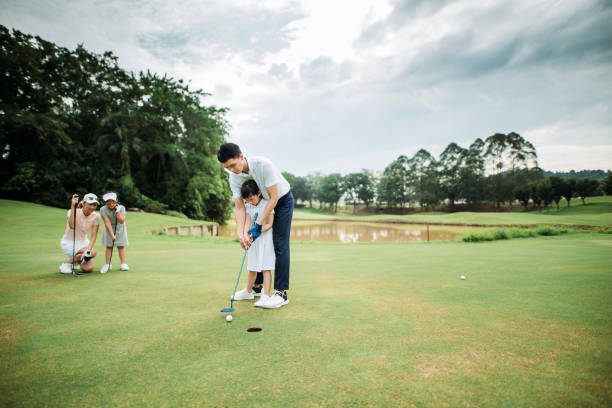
{"x": 261, "y": 251}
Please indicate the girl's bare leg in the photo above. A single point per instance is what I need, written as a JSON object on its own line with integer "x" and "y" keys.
{"x": 121, "y": 251}
{"x": 267, "y": 277}
{"x": 251, "y": 281}
{"x": 109, "y": 251}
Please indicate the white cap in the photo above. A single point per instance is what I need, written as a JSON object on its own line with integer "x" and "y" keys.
{"x": 109, "y": 196}
{"x": 91, "y": 198}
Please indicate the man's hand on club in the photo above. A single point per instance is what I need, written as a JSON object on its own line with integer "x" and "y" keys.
{"x": 244, "y": 241}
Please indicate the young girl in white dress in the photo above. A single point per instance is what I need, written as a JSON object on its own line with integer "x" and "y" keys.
{"x": 261, "y": 251}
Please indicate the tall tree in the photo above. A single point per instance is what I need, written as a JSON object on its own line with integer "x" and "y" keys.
{"x": 585, "y": 187}
{"x": 313, "y": 181}
{"x": 472, "y": 173}
{"x": 523, "y": 194}
{"x": 424, "y": 178}
{"x": 331, "y": 190}
{"x": 367, "y": 188}
{"x": 97, "y": 127}
{"x": 359, "y": 186}
{"x": 299, "y": 186}
{"x": 508, "y": 161}
{"x": 452, "y": 161}
{"x": 545, "y": 191}
{"x": 607, "y": 184}
{"x": 393, "y": 187}
{"x": 557, "y": 184}
{"x": 568, "y": 187}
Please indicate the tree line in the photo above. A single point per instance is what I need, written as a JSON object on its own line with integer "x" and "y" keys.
{"x": 74, "y": 121}
{"x": 500, "y": 169}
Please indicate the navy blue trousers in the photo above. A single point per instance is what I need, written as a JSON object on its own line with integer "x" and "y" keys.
{"x": 281, "y": 231}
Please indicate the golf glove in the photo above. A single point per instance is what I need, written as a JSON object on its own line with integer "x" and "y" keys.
{"x": 86, "y": 257}
{"x": 255, "y": 231}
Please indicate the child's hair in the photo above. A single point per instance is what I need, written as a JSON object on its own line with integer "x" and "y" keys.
{"x": 228, "y": 151}
{"x": 249, "y": 188}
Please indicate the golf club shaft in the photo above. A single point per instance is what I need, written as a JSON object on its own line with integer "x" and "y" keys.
{"x": 74, "y": 240}
{"x": 113, "y": 247}
{"x": 238, "y": 280}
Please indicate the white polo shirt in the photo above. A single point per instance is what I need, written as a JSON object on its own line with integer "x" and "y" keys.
{"x": 265, "y": 175}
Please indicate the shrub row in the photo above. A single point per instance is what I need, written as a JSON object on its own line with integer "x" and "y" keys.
{"x": 511, "y": 233}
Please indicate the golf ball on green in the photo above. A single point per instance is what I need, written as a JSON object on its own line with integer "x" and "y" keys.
{"x": 462, "y": 277}
{"x": 228, "y": 318}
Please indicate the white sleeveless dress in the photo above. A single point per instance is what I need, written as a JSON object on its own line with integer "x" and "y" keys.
{"x": 261, "y": 253}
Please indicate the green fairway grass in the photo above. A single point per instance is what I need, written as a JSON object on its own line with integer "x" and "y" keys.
{"x": 369, "y": 325}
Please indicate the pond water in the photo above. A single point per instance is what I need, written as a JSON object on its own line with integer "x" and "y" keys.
{"x": 349, "y": 232}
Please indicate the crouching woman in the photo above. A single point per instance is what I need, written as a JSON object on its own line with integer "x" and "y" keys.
{"x": 75, "y": 244}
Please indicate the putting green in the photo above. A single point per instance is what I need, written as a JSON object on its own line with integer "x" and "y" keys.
{"x": 379, "y": 324}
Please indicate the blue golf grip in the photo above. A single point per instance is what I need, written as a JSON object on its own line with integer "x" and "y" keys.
{"x": 238, "y": 280}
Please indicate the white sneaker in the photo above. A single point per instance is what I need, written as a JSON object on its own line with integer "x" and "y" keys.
{"x": 262, "y": 300}
{"x": 124, "y": 267}
{"x": 65, "y": 268}
{"x": 243, "y": 295}
{"x": 106, "y": 268}
{"x": 275, "y": 301}
{"x": 69, "y": 266}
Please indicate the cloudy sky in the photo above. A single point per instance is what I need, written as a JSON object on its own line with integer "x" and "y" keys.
{"x": 337, "y": 86}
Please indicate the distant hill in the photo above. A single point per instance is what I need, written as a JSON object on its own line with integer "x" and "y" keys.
{"x": 592, "y": 174}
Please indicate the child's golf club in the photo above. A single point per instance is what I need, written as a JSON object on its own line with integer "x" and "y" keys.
{"x": 115, "y": 234}
{"x": 231, "y": 308}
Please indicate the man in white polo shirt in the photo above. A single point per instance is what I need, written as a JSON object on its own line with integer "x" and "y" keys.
{"x": 276, "y": 190}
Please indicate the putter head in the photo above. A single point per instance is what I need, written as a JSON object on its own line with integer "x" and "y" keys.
{"x": 227, "y": 310}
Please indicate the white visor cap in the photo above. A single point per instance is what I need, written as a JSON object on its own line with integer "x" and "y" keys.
{"x": 109, "y": 196}
{"x": 91, "y": 198}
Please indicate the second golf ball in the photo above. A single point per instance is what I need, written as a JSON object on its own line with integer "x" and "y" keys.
{"x": 228, "y": 318}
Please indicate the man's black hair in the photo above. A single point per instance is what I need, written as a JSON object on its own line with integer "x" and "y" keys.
{"x": 249, "y": 188}
{"x": 228, "y": 151}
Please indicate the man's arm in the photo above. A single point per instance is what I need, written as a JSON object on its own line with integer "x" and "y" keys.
{"x": 269, "y": 223}
{"x": 247, "y": 224}
{"x": 240, "y": 215}
{"x": 273, "y": 193}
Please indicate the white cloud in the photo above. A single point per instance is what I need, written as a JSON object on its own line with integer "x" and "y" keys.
{"x": 576, "y": 157}
{"x": 563, "y": 147}
{"x": 340, "y": 86}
